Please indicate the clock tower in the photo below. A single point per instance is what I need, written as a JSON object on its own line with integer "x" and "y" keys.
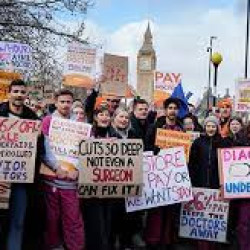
{"x": 146, "y": 65}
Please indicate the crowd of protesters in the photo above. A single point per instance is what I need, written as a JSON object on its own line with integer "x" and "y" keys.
{"x": 48, "y": 214}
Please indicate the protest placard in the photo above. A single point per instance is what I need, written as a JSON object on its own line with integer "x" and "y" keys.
{"x": 16, "y": 57}
{"x": 80, "y": 59}
{"x": 115, "y": 75}
{"x": 110, "y": 168}
{"x": 164, "y": 84}
{"x": 64, "y": 139}
{"x": 169, "y": 138}
{"x": 205, "y": 217}
{"x": 234, "y": 169}
{"x": 166, "y": 180}
{"x": 242, "y": 95}
{"x": 18, "y": 140}
{"x": 4, "y": 195}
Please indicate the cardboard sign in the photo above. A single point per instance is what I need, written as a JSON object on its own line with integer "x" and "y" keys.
{"x": 110, "y": 168}
{"x": 169, "y": 138}
{"x": 15, "y": 57}
{"x": 234, "y": 169}
{"x": 164, "y": 84}
{"x": 115, "y": 75}
{"x": 242, "y": 95}
{"x": 166, "y": 180}
{"x": 18, "y": 140}
{"x": 205, "y": 217}
{"x": 4, "y": 195}
{"x": 80, "y": 59}
{"x": 64, "y": 137}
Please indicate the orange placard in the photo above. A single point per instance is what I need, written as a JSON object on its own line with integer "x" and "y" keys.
{"x": 169, "y": 139}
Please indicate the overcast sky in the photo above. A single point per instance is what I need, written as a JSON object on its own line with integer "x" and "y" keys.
{"x": 181, "y": 30}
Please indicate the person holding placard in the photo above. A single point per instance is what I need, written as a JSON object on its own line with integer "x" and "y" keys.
{"x": 161, "y": 227}
{"x": 238, "y": 138}
{"x": 60, "y": 188}
{"x": 203, "y": 165}
{"x": 19, "y": 192}
{"x": 132, "y": 223}
{"x": 98, "y": 212}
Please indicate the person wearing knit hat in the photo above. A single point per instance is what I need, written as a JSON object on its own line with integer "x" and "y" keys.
{"x": 203, "y": 165}
{"x": 212, "y": 119}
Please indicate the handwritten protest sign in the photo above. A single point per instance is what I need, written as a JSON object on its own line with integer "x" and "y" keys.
{"x": 205, "y": 217}
{"x": 18, "y": 140}
{"x": 16, "y": 57}
{"x": 170, "y": 138}
{"x": 64, "y": 139}
{"x": 110, "y": 168}
{"x": 115, "y": 75}
{"x": 166, "y": 180}
{"x": 164, "y": 84}
{"x": 80, "y": 59}
{"x": 4, "y": 195}
{"x": 242, "y": 95}
{"x": 234, "y": 169}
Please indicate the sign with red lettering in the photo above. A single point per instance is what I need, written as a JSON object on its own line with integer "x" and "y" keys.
{"x": 4, "y": 195}
{"x": 234, "y": 169}
{"x": 110, "y": 168}
{"x": 18, "y": 140}
{"x": 115, "y": 75}
{"x": 164, "y": 84}
{"x": 242, "y": 95}
{"x": 166, "y": 180}
{"x": 205, "y": 217}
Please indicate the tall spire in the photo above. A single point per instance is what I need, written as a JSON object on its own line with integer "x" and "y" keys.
{"x": 147, "y": 45}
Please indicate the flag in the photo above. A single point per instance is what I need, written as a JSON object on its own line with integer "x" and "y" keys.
{"x": 188, "y": 95}
{"x": 179, "y": 93}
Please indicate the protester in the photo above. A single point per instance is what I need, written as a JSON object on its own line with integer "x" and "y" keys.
{"x": 98, "y": 212}
{"x": 237, "y": 135}
{"x": 203, "y": 165}
{"x": 225, "y": 109}
{"x": 19, "y": 198}
{"x": 78, "y": 112}
{"x": 61, "y": 198}
{"x": 189, "y": 124}
{"x": 161, "y": 222}
{"x": 113, "y": 102}
{"x": 139, "y": 122}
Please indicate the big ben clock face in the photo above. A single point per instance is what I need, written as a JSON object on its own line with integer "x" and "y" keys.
{"x": 145, "y": 63}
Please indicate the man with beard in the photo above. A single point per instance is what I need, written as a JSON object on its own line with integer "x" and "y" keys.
{"x": 225, "y": 109}
{"x": 170, "y": 121}
{"x": 19, "y": 196}
{"x": 160, "y": 226}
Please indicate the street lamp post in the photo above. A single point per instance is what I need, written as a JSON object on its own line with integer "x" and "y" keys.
{"x": 216, "y": 60}
{"x": 247, "y": 39}
{"x": 210, "y": 50}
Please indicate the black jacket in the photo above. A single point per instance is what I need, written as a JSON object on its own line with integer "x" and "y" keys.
{"x": 203, "y": 161}
{"x": 151, "y": 133}
{"x": 139, "y": 129}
